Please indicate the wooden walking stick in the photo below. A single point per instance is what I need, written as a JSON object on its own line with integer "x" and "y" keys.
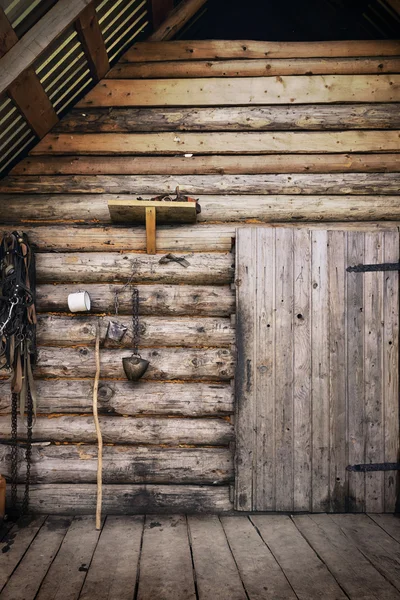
{"x": 98, "y": 432}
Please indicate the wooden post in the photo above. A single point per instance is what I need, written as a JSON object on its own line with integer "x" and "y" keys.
{"x": 151, "y": 229}
{"x": 2, "y": 497}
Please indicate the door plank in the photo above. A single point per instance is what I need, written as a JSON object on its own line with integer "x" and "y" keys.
{"x": 355, "y": 366}
{"x": 33, "y": 567}
{"x": 166, "y": 571}
{"x": 308, "y": 576}
{"x": 15, "y": 543}
{"x": 261, "y": 574}
{"x": 113, "y": 571}
{"x": 216, "y": 572}
{"x": 355, "y": 574}
{"x": 389, "y": 523}
{"x": 71, "y": 562}
{"x": 320, "y": 372}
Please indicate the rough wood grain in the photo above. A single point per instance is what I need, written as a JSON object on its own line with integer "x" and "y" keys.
{"x": 113, "y": 570}
{"x": 216, "y": 571}
{"x": 71, "y": 562}
{"x": 80, "y": 499}
{"x": 35, "y": 563}
{"x": 165, "y": 300}
{"x": 154, "y": 331}
{"x": 260, "y": 572}
{"x": 203, "y": 269}
{"x": 195, "y": 364}
{"x": 175, "y": 20}
{"x": 219, "y": 49}
{"x": 123, "y": 464}
{"x": 225, "y": 142}
{"x": 229, "y": 209}
{"x": 92, "y": 41}
{"x": 128, "y": 430}
{"x": 231, "y": 118}
{"x": 254, "y": 68}
{"x": 306, "y": 573}
{"x": 166, "y": 567}
{"x": 329, "y": 184}
{"x": 8, "y": 37}
{"x": 120, "y": 398}
{"x": 230, "y": 165}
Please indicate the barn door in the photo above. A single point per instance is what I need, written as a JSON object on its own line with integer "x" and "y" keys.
{"x": 317, "y": 375}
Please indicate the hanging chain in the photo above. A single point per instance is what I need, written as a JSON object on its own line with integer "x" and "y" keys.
{"x": 28, "y": 453}
{"x": 14, "y": 451}
{"x": 135, "y": 320}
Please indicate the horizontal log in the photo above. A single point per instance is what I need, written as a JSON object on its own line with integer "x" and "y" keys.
{"x": 122, "y": 464}
{"x": 231, "y": 209}
{"x": 217, "y": 49}
{"x": 267, "y": 142}
{"x": 95, "y": 267}
{"x": 303, "y": 183}
{"x": 254, "y": 68}
{"x": 80, "y": 499}
{"x": 173, "y": 300}
{"x": 126, "y": 430}
{"x": 154, "y": 331}
{"x": 211, "y": 364}
{"x": 231, "y": 118}
{"x": 123, "y": 398}
{"x": 202, "y": 165}
{"x": 289, "y": 89}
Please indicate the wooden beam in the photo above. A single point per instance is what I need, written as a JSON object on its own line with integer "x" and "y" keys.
{"x": 24, "y": 53}
{"x": 91, "y": 38}
{"x": 160, "y": 10}
{"x": 394, "y": 5}
{"x": 27, "y": 91}
{"x": 8, "y": 37}
{"x": 176, "y": 20}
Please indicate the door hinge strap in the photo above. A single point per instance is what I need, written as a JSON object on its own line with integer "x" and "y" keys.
{"x": 370, "y": 268}
{"x": 374, "y": 467}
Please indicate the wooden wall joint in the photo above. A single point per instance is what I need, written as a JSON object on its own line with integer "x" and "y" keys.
{"x": 91, "y": 38}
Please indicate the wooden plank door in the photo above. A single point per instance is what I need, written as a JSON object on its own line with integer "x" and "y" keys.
{"x": 317, "y": 374}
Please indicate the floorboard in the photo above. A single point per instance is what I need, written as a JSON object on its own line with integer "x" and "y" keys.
{"x": 207, "y": 557}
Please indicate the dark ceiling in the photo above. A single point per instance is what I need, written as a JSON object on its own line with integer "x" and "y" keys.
{"x": 294, "y": 20}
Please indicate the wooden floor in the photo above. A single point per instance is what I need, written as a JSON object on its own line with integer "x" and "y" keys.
{"x": 207, "y": 557}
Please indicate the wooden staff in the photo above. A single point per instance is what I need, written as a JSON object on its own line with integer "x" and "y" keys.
{"x": 98, "y": 432}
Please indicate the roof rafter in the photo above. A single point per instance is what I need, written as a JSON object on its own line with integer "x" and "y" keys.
{"x": 176, "y": 20}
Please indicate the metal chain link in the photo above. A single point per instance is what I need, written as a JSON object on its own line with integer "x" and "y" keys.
{"x": 135, "y": 320}
{"x": 14, "y": 451}
{"x": 28, "y": 453}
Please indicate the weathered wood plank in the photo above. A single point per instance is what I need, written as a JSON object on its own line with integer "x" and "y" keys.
{"x": 94, "y": 267}
{"x": 354, "y": 573}
{"x": 320, "y": 417}
{"x": 123, "y": 464}
{"x": 375, "y": 544}
{"x": 24, "y": 53}
{"x": 121, "y": 398}
{"x": 219, "y": 49}
{"x": 154, "y": 331}
{"x": 176, "y": 19}
{"x": 216, "y": 571}
{"x": 329, "y": 184}
{"x": 389, "y": 523}
{"x": 226, "y": 142}
{"x": 293, "y": 89}
{"x": 181, "y": 165}
{"x": 254, "y": 68}
{"x": 8, "y": 37}
{"x": 306, "y": 573}
{"x": 166, "y": 566}
{"x": 259, "y": 571}
{"x": 80, "y": 499}
{"x": 231, "y": 118}
{"x": 92, "y": 41}
{"x": 15, "y": 544}
{"x": 113, "y": 570}
{"x": 355, "y": 375}
{"x": 159, "y": 11}
{"x": 165, "y": 300}
{"x": 230, "y": 209}
{"x": 213, "y": 364}
{"x": 71, "y": 562}
{"x": 35, "y": 563}
{"x": 128, "y": 430}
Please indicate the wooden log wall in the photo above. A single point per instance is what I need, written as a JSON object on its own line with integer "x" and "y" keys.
{"x": 262, "y": 133}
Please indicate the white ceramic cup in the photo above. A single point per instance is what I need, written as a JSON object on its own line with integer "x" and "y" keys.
{"x": 79, "y": 302}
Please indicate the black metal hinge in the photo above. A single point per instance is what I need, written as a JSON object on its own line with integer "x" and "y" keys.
{"x": 374, "y": 467}
{"x": 370, "y": 268}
